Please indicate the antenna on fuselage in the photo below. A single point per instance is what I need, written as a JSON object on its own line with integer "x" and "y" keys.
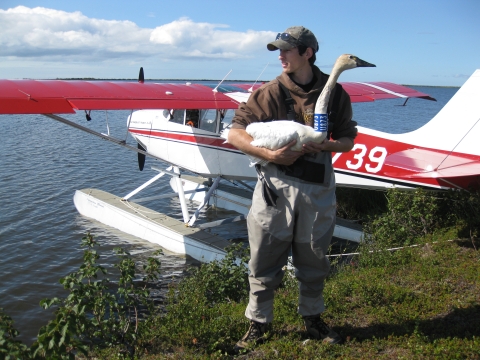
{"x": 220, "y": 83}
{"x": 251, "y": 89}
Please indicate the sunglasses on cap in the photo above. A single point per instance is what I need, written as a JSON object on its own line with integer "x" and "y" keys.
{"x": 289, "y": 39}
{"x": 286, "y": 37}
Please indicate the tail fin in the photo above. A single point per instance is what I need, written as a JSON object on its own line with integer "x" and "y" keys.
{"x": 456, "y": 127}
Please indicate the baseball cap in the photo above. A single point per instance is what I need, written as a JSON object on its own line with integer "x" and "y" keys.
{"x": 292, "y": 37}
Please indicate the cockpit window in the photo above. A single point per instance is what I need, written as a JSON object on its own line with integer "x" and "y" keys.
{"x": 208, "y": 120}
{"x": 226, "y": 118}
{"x": 205, "y": 119}
{"x": 178, "y": 116}
{"x": 192, "y": 117}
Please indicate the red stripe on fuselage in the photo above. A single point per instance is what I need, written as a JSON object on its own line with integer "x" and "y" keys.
{"x": 194, "y": 139}
{"x": 366, "y": 159}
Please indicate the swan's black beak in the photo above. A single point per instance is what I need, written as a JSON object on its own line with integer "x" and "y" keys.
{"x": 363, "y": 63}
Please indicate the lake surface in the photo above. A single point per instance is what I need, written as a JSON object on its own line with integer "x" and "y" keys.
{"x": 43, "y": 162}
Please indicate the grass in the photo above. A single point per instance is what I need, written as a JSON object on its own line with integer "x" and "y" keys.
{"x": 417, "y": 303}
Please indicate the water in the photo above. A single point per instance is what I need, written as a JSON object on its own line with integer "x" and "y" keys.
{"x": 390, "y": 116}
{"x": 42, "y": 164}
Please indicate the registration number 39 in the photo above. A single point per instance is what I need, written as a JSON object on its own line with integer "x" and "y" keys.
{"x": 373, "y": 162}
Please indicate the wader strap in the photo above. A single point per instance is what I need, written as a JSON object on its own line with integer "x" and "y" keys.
{"x": 268, "y": 194}
{"x": 288, "y": 102}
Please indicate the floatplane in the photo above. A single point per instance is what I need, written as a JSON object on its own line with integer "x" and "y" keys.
{"x": 181, "y": 125}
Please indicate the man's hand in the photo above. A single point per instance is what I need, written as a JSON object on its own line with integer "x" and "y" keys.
{"x": 284, "y": 155}
{"x": 313, "y": 147}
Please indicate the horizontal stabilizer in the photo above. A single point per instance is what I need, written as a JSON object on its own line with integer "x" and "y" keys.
{"x": 432, "y": 164}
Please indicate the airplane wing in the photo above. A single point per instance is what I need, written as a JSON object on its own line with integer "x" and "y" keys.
{"x": 371, "y": 91}
{"x": 66, "y": 96}
{"x": 58, "y": 96}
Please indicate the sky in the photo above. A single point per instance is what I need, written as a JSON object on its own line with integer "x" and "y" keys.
{"x": 414, "y": 42}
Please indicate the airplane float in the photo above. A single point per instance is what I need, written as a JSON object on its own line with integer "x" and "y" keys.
{"x": 182, "y": 127}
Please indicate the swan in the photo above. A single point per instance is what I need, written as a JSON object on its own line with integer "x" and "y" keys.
{"x": 276, "y": 134}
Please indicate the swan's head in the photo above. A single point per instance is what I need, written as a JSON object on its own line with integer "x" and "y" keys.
{"x": 348, "y": 61}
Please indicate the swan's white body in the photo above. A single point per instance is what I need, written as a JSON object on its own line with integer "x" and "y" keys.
{"x": 276, "y": 134}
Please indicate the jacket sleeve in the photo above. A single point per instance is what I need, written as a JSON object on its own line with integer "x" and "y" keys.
{"x": 262, "y": 105}
{"x": 344, "y": 126}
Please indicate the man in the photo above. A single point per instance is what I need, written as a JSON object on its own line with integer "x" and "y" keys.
{"x": 293, "y": 206}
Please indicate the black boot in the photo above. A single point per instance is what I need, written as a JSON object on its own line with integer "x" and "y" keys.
{"x": 318, "y": 330}
{"x": 256, "y": 334}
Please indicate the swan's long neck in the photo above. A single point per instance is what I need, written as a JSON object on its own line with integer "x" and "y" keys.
{"x": 322, "y": 102}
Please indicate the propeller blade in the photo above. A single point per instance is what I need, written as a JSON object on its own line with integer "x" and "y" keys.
{"x": 141, "y": 77}
{"x": 141, "y": 157}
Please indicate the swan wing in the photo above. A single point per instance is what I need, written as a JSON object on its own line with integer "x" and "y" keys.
{"x": 274, "y": 134}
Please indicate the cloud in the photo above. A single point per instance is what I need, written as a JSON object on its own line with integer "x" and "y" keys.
{"x": 209, "y": 40}
{"x": 52, "y": 35}
{"x": 48, "y": 33}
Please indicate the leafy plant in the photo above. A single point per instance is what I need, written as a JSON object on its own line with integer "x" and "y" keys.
{"x": 10, "y": 348}
{"x": 226, "y": 279}
{"x": 463, "y": 209}
{"x": 409, "y": 216}
{"x": 97, "y": 312}
{"x": 412, "y": 215}
{"x": 359, "y": 204}
{"x": 200, "y": 307}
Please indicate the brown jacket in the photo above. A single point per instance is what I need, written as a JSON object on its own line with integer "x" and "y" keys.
{"x": 267, "y": 103}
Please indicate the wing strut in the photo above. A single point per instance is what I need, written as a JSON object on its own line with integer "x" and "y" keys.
{"x": 103, "y": 136}
{"x": 463, "y": 137}
{"x": 405, "y": 102}
{"x": 205, "y": 200}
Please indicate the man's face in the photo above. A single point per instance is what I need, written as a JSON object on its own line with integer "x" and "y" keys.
{"x": 292, "y": 61}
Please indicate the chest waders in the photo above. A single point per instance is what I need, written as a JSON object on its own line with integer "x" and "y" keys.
{"x": 292, "y": 213}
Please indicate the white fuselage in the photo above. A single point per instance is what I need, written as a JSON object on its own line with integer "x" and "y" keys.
{"x": 200, "y": 151}
{"x": 443, "y": 153}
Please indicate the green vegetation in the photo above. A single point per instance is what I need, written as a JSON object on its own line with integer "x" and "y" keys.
{"x": 9, "y": 347}
{"x": 420, "y": 302}
{"x": 94, "y": 315}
